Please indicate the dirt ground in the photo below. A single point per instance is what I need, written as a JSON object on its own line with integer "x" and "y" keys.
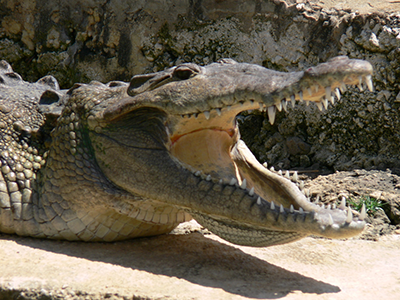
{"x": 196, "y": 266}
{"x": 362, "y": 6}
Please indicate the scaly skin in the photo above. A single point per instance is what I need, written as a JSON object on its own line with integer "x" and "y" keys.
{"x": 110, "y": 162}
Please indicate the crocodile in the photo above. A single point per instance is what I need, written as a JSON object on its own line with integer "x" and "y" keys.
{"x": 108, "y": 162}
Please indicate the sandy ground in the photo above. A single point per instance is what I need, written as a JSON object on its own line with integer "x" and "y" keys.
{"x": 194, "y": 266}
{"x": 362, "y": 6}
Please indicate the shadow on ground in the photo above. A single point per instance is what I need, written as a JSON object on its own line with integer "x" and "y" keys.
{"x": 194, "y": 258}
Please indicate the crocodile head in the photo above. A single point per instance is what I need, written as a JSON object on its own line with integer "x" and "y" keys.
{"x": 172, "y": 137}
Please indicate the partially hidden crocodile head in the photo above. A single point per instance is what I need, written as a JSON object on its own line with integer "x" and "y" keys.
{"x": 172, "y": 137}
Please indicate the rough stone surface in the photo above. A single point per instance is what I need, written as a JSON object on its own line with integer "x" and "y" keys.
{"x": 194, "y": 266}
{"x": 79, "y": 41}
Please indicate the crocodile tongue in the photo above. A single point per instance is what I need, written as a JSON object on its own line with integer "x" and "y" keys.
{"x": 269, "y": 185}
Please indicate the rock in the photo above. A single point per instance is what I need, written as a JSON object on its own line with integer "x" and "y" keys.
{"x": 397, "y": 98}
{"x": 393, "y": 209}
{"x": 297, "y": 146}
{"x": 273, "y": 140}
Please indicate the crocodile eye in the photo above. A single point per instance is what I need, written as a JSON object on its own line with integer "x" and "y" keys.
{"x": 186, "y": 71}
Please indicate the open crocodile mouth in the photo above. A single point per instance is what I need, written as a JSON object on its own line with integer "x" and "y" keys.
{"x": 208, "y": 144}
{"x": 211, "y": 174}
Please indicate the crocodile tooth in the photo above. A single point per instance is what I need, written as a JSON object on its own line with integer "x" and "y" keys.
{"x": 281, "y": 209}
{"x": 291, "y": 208}
{"x": 307, "y": 192}
{"x": 368, "y": 81}
{"x": 301, "y": 96}
{"x": 208, "y": 178}
{"x": 343, "y": 203}
{"x": 258, "y": 201}
{"x": 335, "y": 226}
{"x": 330, "y": 221}
{"x": 287, "y": 175}
{"x": 360, "y": 83}
{"x": 261, "y": 106}
{"x": 333, "y": 206}
{"x": 301, "y": 210}
{"x": 197, "y": 173}
{"x": 293, "y": 100}
{"x": 218, "y": 111}
{"x": 309, "y": 91}
{"x": 332, "y": 99}
{"x": 280, "y": 172}
{"x": 307, "y": 103}
{"x": 316, "y": 87}
{"x": 328, "y": 207}
{"x": 295, "y": 176}
{"x": 271, "y": 114}
{"x": 325, "y": 102}
{"x": 317, "y": 200}
{"x": 251, "y": 192}
{"x": 363, "y": 213}
{"x": 228, "y": 108}
{"x": 337, "y": 93}
{"x": 207, "y": 114}
{"x": 272, "y": 169}
{"x": 265, "y": 164}
{"x": 284, "y": 105}
{"x": 243, "y": 185}
{"x": 328, "y": 92}
{"x": 279, "y": 106}
{"x": 349, "y": 216}
{"x": 302, "y": 185}
{"x": 233, "y": 181}
{"x": 343, "y": 87}
{"x": 272, "y": 207}
{"x": 319, "y": 105}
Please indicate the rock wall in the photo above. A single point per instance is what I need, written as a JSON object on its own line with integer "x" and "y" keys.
{"x": 79, "y": 41}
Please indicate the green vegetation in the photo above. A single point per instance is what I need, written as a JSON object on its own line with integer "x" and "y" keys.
{"x": 371, "y": 204}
